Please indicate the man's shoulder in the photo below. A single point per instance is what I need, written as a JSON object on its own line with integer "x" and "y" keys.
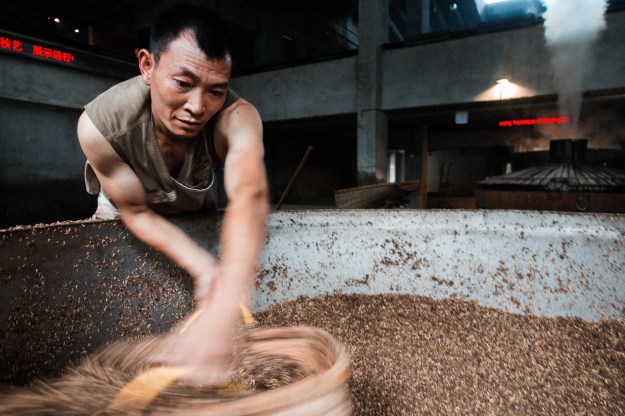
{"x": 120, "y": 107}
{"x": 130, "y": 90}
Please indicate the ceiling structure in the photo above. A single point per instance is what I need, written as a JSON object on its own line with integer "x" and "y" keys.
{"x": 292, "y": 30}
{"x": 274, "y": 33}
{"x": 268, "y": 32}
{"x": 117, "y": 27}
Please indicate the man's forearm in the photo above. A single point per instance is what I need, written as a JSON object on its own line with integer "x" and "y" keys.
{"x": 162, "y": 235}
{"x": 242, "y": 239}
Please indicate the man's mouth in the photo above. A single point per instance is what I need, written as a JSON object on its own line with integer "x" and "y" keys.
{"x": 188, "y": 124}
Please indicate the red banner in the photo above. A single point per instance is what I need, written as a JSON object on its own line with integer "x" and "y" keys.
{"x": 17, "y": 46}
{"x": 533, "y": 121}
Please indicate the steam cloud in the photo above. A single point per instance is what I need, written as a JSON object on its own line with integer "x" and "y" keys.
{"x": 571, "y": 30}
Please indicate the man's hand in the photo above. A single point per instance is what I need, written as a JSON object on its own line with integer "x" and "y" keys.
{"x": 203, "y": 343}
{"x": 204, "y": 282}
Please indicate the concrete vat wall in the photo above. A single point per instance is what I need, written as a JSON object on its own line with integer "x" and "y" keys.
{"x": 66, "y": 289}
{"x": 546, "y": 264}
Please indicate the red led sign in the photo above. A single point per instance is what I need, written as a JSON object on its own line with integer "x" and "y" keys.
{"x": 15, "y": 45}
{"x": 533, "y": 121}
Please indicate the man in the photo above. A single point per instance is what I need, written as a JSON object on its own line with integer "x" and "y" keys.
{"x": 152, "y": 143}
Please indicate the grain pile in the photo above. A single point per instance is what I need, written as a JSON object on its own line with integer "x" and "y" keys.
{"x": 273, "y": 370}
{"x": 413, "y": 355}
{"x": 90, "y": 387}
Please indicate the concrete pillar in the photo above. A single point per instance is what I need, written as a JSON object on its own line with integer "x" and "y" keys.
{"x": 372, "y": 122}
{"x": 417, "y": 18}
{"x": 425, "y": 16}
{"x": 423, "y": 181}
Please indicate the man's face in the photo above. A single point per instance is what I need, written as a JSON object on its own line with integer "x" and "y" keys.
{"x": 187, "y": 88}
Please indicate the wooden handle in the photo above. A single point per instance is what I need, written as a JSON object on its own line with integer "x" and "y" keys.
{"x": 140, "y": 391}
{"x": 144, "y": 388}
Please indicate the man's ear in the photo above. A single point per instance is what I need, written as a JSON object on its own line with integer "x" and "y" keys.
{"x": 146, "y": 65}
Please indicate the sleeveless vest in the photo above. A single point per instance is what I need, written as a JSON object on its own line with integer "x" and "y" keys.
{"x": 123, "y": 116}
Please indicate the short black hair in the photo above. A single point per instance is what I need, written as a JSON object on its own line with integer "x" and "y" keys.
{"x": 210, "y": 32}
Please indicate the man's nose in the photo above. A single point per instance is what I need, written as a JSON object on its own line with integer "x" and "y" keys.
{"x": 195, "y": 102}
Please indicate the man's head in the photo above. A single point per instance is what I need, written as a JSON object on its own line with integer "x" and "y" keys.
{"x": 209, "y": 32}
{"x": 187, "y": 70}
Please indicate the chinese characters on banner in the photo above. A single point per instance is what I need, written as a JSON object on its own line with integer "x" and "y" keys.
{"x": 12, "y": 44}
{"x": 18, "y": 46}
{"x": 531, "y": 122}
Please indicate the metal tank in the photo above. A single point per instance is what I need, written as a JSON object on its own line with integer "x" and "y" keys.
{"x": 69, "y": 288}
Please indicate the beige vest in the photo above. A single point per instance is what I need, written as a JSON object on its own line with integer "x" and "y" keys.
{"x": 122, "y": 114}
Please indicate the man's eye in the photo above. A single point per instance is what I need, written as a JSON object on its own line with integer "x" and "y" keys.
{"x": 183, "y": 84}
{"x": 216, "y": 93}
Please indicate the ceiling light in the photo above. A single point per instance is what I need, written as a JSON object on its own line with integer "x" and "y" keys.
{"x": 505, "y": 88}
{"x": 57, "y": 20}
{"x": 76, "y": 30}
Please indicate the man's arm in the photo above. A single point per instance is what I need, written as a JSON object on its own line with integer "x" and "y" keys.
{"x": 207, "y": 341}
{"x": 126, "y": 191}
{"x": 244, "y": 222}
